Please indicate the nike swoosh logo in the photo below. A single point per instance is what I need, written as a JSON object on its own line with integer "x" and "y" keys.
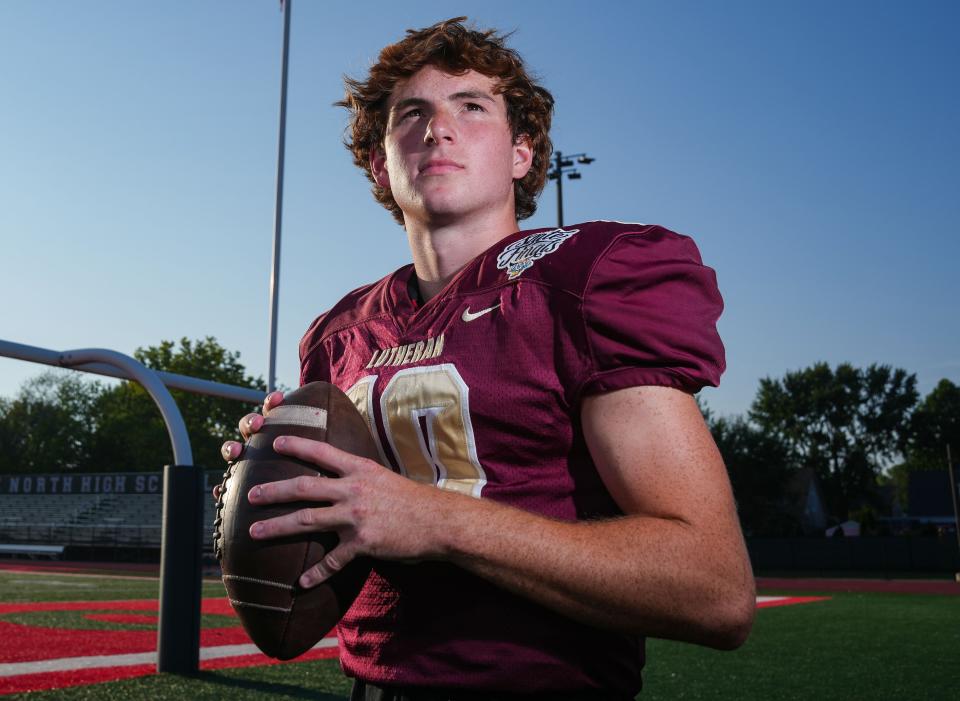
{"x": 470, "y": 316}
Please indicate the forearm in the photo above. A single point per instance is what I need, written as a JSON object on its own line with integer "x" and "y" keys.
{"x": 655, "y": 576}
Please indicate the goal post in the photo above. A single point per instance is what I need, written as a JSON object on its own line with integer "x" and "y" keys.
{"x": 181, "y": 548}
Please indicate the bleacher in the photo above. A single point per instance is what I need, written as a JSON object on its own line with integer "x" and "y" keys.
{"x": 51, "y": 521}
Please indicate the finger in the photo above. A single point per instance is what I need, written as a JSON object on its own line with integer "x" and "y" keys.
{"x": 231, "y": 450}
{"x": 324, "y": 455}
{"x": 319, "y": 519}
{"x": 304, "y": 488}
{"x": 250, "y": 424}
{"x": 216, "y": 492}
{"x": 273, "y": 399}
{"x": 333, "y": 562}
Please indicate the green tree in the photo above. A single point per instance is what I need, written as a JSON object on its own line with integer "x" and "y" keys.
{"x": 131, "y": 433}
{"x": 760, "y": 472}
{"x": 847, "y": 423}
{"x": 48, "y": 426}
{"x": 935, "y": 424}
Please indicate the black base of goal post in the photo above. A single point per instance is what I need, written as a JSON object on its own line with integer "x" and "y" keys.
{"x": 178, "y": 639}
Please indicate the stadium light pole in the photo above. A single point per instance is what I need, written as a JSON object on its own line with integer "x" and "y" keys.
{"x": 278, "y": 206}
{"x": 565, "y": 165}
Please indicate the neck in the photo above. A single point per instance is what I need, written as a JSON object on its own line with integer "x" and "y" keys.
{"x": 441, "y": 250}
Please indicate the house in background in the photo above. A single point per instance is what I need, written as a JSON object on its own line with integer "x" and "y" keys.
{"x": 805, "y": 501}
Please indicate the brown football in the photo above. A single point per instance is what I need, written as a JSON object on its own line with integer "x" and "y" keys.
{"x": 261, "y": 576}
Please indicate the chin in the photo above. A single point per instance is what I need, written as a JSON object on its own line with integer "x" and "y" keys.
{"x": 443, "y": 210}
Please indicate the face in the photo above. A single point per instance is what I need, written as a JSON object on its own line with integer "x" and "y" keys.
{"x": 448, "y": 152}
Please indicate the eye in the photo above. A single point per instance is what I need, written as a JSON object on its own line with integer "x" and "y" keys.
{"x": 415, "y": 112}
{"x": 474, "y": 107}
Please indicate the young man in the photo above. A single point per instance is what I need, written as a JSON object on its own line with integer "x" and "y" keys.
{"x": 559, "y": 496}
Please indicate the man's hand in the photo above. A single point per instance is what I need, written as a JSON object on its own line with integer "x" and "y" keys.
{"x": 249, "y": 424}
{"x": 373, "y": 510}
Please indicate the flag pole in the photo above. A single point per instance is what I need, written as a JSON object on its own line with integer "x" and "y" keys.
{"x": 278, "y": 206}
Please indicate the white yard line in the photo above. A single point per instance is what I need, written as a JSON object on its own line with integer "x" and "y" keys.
{"x": 65, "y": 664}
{"x": 765, "y": 599}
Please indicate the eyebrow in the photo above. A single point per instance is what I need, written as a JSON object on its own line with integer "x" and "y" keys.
{"x": 461, "y": 95}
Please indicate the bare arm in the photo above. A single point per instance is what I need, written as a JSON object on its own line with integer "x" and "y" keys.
{"x": 675, "y": 566}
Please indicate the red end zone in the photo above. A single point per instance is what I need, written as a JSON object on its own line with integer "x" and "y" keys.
{"x": 38, "y": 657}
{"x": 94, "y": 675}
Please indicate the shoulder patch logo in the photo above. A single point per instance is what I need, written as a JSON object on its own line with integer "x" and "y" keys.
{"x": 520, "y": 255}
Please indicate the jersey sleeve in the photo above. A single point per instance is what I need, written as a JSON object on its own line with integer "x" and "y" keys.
{"x": 314, "y": 363}
{"x": 650, "y": 310}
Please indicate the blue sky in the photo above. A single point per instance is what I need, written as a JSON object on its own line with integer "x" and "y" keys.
{"x": 812, "y": 149}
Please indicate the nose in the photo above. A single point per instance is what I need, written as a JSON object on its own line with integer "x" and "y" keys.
{"x": 441, "y": 127}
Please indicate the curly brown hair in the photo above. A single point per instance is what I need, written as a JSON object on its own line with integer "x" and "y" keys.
{"x": 455, "y": 49}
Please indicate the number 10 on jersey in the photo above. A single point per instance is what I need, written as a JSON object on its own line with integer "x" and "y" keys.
{"x": 426, "y": 414}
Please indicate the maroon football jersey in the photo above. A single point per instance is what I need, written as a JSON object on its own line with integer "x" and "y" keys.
{"x": 478, "y": 391}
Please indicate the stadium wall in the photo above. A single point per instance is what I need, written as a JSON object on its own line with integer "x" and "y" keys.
{"x": 99, "y": 516}
{"x": 875, "y": 554}
{"x": 91, "y": 483}
{"x": 118, "y": 515}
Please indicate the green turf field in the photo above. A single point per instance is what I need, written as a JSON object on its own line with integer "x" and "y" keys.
{"x": 854, "y": 646}
{"x": 51, "y": 586}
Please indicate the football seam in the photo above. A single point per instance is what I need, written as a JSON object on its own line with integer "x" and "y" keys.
{"x": 281, "y": 609}
{"x": 254, "y": 580}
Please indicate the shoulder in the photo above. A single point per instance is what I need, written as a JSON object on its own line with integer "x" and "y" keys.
{"x": 636, "y": 299}
{"x": 355, "y": 307}
{"x": 650, "y": 309}
{"x": 570, "y": 258}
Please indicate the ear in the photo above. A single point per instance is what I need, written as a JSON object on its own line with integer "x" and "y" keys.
{"x": 378, "y": 168}
{"x": 522, "y": 156}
